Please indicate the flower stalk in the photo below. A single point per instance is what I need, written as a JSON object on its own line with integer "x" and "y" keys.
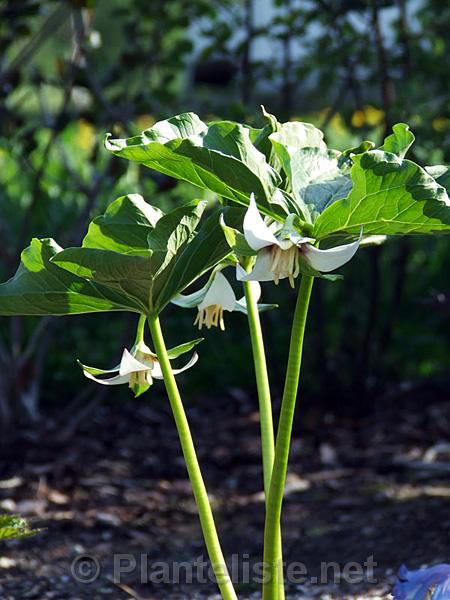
{"x": 265, "y": 403}
{"x": 283, "y": 441}
{"x": 187, "y": 445}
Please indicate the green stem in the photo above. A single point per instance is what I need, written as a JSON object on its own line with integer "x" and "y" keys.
{"x": 275, "y": 500}
{"x": 265, "y": 402}
{"x": 262, "y": 382}
{"x": 140, "y": 329}
{"x": 198, "y": 486}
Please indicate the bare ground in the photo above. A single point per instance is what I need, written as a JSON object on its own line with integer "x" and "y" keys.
{"x": 117, "y": 485}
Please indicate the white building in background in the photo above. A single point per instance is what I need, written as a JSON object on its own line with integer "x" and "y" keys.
{"x": 268, "y": 49}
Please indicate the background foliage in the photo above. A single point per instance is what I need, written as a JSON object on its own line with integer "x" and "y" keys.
{"x": 72, "y": 70}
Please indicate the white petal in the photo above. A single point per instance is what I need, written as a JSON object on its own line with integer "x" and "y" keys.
{"x": 261, "y": 270}
{"x": 157, "y": 373}
{"x": 220, "y": 292}
{"x": 331, "y": 259}
{"x": 298, "y": 239}
{"x": 191, "y": 300}
{"x": 130, "y": 364}
{"x": 256, "y": 290}
{"x": 116, "y": 380}
{"x": 256, "y": 232}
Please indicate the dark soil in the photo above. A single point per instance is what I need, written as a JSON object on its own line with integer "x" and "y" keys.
{"x": 117, "y": 485}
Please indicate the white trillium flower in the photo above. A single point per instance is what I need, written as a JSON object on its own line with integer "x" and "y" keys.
{"x": 279, "y": 253}
{"x": 213, "y": 299}
{"x": 219, "y": 297}
{"x": 137, "y": 368}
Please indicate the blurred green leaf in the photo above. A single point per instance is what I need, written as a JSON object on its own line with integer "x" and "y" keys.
{"x": 15, "y": 527}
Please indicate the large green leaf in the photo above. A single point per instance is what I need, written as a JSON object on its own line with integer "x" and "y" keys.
{"x": 303, "y": 157}
{"x": 276, "y": 138}
{"x": 124, "y": 227}
{"x": 174, "y": 257}
{"x": 207, "y": 249}
{"x": 219, "y": 157}
{"x": 389, "y": 196}
{"x": 441, "y": 173}
{"x": 131, "y": 275}
{"x": 317, "y": 181}
{"x": 39, "y": 287}
{"x": 172, "y": 232}
{"x": 295, "y": 135}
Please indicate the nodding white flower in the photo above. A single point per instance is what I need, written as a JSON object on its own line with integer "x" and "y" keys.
{"x": 213, "y": 299}
{"x": 279, "y": 253}
{"x": 137, "y": 368}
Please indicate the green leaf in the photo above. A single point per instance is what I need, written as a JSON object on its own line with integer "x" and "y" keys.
{"x": 207, "y": 249}
{"x": 364, "y": 146}
{"x": 399, "y": 141}
{"x": 297, "y": 146}
{"x": 131, "y": 275}
{"x": 39, "y": 287}
{"x": 295, "y": 135}
{"x": 317, "y": 181}
{"x": 15, "y": 527}
{"x": 172, "y": 232}
{"x": 183, "y": 348}
{"x": 219, "y": 157}
{"x": 124, "y": 227}
{"x": 241, "y": 306}
{"x": 441, "y": 173}
{"x": 389, "y": 196}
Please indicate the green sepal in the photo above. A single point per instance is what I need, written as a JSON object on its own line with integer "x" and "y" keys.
{"x": 96, "y": 371}
{"x": 177, "y": 351}
{"x": 306, "y": 269}
{"x": 139, "y": 389}
{"x": 241, "y": 306}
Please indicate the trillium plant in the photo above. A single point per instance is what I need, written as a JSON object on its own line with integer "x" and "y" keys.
{"x": 287, "y": 208}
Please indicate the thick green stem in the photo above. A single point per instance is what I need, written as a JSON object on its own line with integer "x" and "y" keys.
{"x": 275, "y": 500}
{"x": 187, "y": 445}
{"x": 265, "y": 403}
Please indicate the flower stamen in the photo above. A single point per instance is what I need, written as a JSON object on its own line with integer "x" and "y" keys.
{"x": 285, "y": 263}
{"x": 210, "y": 316}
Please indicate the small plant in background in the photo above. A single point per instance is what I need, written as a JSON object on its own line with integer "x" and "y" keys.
{"x": 13, "y": 527}
{"x": 291, "y": 207}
